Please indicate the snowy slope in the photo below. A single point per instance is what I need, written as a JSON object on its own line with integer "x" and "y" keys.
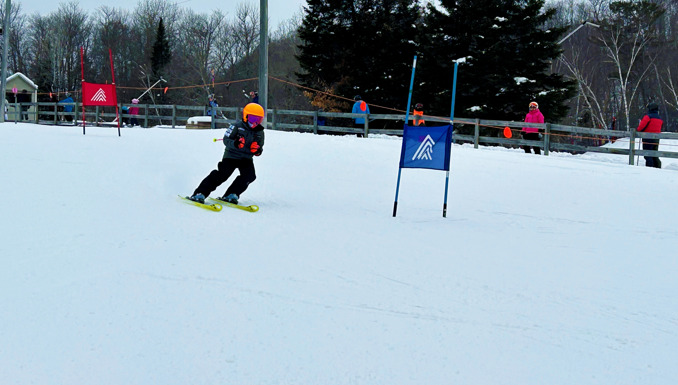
{"x": 547, "y": 270}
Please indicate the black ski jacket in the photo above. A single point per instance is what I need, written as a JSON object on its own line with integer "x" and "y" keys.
{"x": 255, "y": 134}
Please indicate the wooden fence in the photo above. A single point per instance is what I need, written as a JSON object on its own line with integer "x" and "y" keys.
{"x": 555, "y": 137}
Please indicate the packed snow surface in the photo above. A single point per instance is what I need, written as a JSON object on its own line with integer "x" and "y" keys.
{"x": 555, "y": 269}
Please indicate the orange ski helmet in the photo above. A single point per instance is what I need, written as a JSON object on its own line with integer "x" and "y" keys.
{"x": 255, "y": 111}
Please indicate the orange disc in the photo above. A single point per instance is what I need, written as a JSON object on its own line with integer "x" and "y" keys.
{"x": 507, "y": 132}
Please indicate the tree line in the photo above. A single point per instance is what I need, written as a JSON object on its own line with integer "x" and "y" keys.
{"x": 509, "y": 53}
{"x": 198, "y": 54}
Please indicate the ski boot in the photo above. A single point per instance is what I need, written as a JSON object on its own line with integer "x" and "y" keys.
{"x": 197, "y": 198}
{"x": 230, "y": 198}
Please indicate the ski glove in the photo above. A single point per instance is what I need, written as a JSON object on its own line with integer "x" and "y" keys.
{"x": 255, "y": 148}
{"x": 239, "y": 141}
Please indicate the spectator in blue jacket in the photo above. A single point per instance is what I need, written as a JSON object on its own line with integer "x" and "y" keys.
{"x": 68, "y": 107}
{"x": 360, "y": 107}
{"x": 212, "y": 106}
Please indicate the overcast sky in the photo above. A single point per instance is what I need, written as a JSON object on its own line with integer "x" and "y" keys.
{"x": 278, "y": 10}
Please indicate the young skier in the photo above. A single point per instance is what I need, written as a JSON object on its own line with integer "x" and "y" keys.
{"x": 243, "y": 141}
{"x": 134, "y": 111}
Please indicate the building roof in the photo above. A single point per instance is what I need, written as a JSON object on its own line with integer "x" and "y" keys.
{"x": 24, "y": 78}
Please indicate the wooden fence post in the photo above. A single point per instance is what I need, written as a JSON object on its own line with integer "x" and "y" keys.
{"x": 145, "y": 115}
{"x": 174, "y": 115}
{"x": 367, "y": 125}
{"x": 274, "y": 123}
{"x": 476, "y": 134}
{"x": 315, "y": 122}
{"x": 547, "y": 139}
{"x": 632, "y": 146}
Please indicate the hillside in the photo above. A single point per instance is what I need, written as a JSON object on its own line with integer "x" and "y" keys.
{"x": 547, "y": 270}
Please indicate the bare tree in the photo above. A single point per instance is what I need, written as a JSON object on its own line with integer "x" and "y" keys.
{"x": 18, "y": 51}
{"x": 40, "y": 50}
{"x": 581, "y": 65}
{"x": 199, "y": 48}
{"x": 626, "y": 38}
{"x": 69, "y": 29}
{"x": 670, "y": 80}
{"x": 112, "y": 32}
{"x": 245, "y": 33}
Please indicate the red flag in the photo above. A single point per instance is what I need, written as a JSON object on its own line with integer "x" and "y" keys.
{"x": 94, "y": 94}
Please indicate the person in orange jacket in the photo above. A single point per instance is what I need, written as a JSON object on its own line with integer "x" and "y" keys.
{"x": 651, "y": 122}
{"x": 418, "y": 115}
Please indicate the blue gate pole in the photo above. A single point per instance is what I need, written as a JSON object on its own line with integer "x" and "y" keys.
{"x": 407, "y": 119}
{"x": 447, "y": 177}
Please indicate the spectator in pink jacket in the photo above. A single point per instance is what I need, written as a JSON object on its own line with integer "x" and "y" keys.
{"x": 134, "y": 111}
{"x": 532, "y": 133}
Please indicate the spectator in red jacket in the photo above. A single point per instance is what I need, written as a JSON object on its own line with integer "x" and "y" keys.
{"x": 532, "y": 133}
{"x": 651, "y": 123}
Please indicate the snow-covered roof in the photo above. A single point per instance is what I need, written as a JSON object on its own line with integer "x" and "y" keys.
{"x": 24, "y": 78}
{"x": 198, "y": 119}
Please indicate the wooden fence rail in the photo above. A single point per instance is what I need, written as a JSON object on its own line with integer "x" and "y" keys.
{"x": 475, "y": 131}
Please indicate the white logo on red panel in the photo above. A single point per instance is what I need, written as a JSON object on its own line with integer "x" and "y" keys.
{"x": 99, "y": 96}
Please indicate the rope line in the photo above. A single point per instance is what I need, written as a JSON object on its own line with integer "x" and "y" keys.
{"x": 297, "y": 85}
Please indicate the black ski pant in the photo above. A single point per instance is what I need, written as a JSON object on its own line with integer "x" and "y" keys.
{"x": 360, "y": 126}
{"x": 531, "y": 136}
{"x": 651, "y": 145}
{"x": 224, "y": 170}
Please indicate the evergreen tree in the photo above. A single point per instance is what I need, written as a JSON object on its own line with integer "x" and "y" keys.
{"x": 506, "y": 55}
{"x": 360, "y": 47}
{"x": 324, "y": 43}
{"x": 161, "y": 54}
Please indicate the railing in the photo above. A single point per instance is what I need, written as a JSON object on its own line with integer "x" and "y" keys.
{"x": 316, "y": 122}
{"x": 547, "y": 144}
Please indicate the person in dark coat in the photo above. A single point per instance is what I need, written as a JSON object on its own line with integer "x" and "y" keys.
{"x": 243, "y": 140}
{"x": 321, "y": 119}
{"x": 651, "y": 122}
{"x": 252, "y": 96}
{"x": 24, "y": 97}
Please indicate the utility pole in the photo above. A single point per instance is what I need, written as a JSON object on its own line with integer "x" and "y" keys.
{"x": 263, "y": 57}
{"x": 3, "y": 73}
